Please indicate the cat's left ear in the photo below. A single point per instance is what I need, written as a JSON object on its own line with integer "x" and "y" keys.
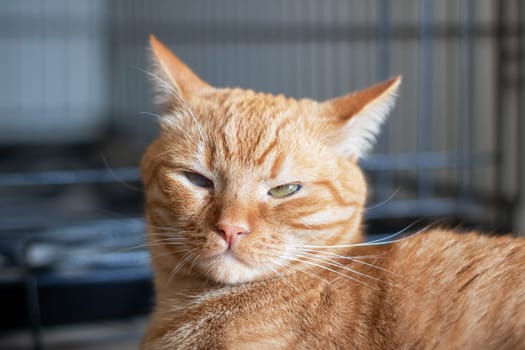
{"x": 354, "y": 120}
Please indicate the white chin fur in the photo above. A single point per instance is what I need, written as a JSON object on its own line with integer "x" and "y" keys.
{"x": 227, "y": 269}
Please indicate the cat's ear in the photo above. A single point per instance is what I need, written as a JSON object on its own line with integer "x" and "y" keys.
{"x": 172, "y": 78}
{"x": 354, "y": 120}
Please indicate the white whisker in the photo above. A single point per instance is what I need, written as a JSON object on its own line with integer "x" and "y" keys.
{"x": 181, "y": 263}
{"x": 283, "y": 278}
{"x": 315, "y": 257}
{"x": 115, "y": 176}
{"x": 331, "y": 270}
{"x": 356, "y": 260}
{"x": 380, "y": 204}
{"x": 377, "y": 242}
{"x": 297, "y": 269}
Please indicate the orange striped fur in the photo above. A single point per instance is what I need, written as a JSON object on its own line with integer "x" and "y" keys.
{"x": 236, "y": 267}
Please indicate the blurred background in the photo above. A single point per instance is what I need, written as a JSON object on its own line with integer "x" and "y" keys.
{"x": 74, "y": 271}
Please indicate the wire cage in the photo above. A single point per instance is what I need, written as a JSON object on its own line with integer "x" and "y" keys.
{"x": 73, "y": 87}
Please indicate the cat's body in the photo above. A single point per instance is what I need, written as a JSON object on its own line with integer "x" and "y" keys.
{"x": 254, "y": 206}
{"x": 452, "y": 292}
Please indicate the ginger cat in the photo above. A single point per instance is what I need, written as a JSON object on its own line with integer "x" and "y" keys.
{"x": 254, "y": 205}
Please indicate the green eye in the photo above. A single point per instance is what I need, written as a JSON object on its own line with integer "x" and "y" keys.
{"x": 198, "y": 180}
{"x": 284, "y": 190}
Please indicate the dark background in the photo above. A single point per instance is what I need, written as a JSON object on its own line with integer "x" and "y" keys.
{"x": 73, "y": 92}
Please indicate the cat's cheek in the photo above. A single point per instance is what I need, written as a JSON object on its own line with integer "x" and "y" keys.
{"x": 182, "y": 199}
{"x": 213, "y": 246}
{"x": 185, "y": 200}
{"x": 262, "y": 249}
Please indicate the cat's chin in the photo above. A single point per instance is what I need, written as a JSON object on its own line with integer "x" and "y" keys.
{"x": 229, "y": 269}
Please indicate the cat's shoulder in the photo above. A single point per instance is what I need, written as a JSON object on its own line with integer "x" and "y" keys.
{"x": 448, "y": 251}
{"x": 445, "y": 239}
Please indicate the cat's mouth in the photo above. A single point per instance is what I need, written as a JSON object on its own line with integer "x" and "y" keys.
{"x": 230, "y": 256}
{"x": 229, "y": 267}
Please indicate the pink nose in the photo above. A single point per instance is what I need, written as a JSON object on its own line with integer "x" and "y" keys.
{"x": 230, "y": 232}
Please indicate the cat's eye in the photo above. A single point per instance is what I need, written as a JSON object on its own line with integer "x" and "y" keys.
{"x": 284, "y": 190}
{"x": 198, "y": 180}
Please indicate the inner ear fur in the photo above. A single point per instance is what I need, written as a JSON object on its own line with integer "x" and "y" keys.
{"x": 355, "y": 119}
{"x": 171, "y": 75}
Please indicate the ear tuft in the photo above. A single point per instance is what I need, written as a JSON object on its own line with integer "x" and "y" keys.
{"x": 357, "y": 117}
{"x": 172, "y": 78}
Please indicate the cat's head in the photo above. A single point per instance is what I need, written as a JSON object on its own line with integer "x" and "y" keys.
{"x": 242, "y": 186}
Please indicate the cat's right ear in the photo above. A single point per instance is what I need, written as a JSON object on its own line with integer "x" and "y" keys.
{"x": 172, "y": 78}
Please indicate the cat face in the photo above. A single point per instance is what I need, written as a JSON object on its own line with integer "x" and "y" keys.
{"x": 241, "y": 185}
